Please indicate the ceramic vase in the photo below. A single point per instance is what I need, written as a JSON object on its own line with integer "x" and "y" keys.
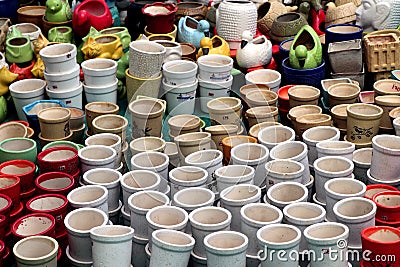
{"x": 36, "y": 251}
{"x": 97, "y": 156}
{"x": 362, "y": 162}
{"x": 89, "y": 196}
{"x": 285, "y": 193}
{"x": 384, "y": 152}
{"x": 146, "y": 117}
{"x": 230, "y": 175}
{"x": 185, "y": 177}
{"x": 272, "y": 136}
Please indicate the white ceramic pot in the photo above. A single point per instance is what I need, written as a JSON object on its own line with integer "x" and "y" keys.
{"x": 373, "y": 180}
{"x": 253, "y": 217}
{"x": 193, "y": 198}
{"x": 138, "y": 251}
{"x": 89, "y": 196}
{"x": 357, "y": 213}
{"x": 40, "y": 251}
{"x": 145, "y": 59}
{"x": 302, "y": 215}
{"x": 186, "y": 177}
{"x": 335, "y": 148}
{"x": 180, "y": 98}
{"x": 211, "y": 90}
{"x": 385, "y": 157}
{"x": 77, "y": 263}
{"x": 101, "y": 93}
{"x": 25, "y": 92}
{"x": 230, "y": 175}
{"x": 108, "y": 178}
{"x": 284, "y": 238}
{"x": 337, "y": 189}
{"x": 327, "y": 236}
{"x": 170, "y": 247}
{"x": 99, "y": 71}
{"x": 111, "y": 245}
{"x": 138, "y": 180}
{"x": 362, "y": 162}
{"x": 272, "y": 78}
{"x": 152, "y": 161}
{"x": 179, "y": 72}
{"x": 254, "y": 155}
{"x": 293, "y": 150}
{"x": 207, "y": 220}
{"x": 396, "y": 125}
{"x": 97, "y": 156}
{"x": 107, "y": 139}
{"x": 215, "y": 68}
{"x": 59, "y": 58}
{"x": 317, "y": 134}
{"x": 126, "y": 217}
{"x": 192, "y": 142}
{"x": 180, "y": 124}
{"x": 139, "y": 204}
{"x": 208, "y": 159}
{"x": 283, "y": 170}
{"x": 172, "y": 152}
{"x": 285, "y": 193}
{"x": 235, "y": 197}
{"x": 330, "y": 167}
{"x": 147, "y": 143}
{"x": 273, "y": 135}
{"x": 70, "y": 97}
{"x": 79, "y": 222}
{"x": 67, "y": 80}
{"x": 226, "y": 248}
{"x": 114, "y": 215}
{"x": 174, "y": 50}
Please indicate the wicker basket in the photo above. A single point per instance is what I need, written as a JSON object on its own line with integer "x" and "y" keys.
{"x": 382, "y": 52}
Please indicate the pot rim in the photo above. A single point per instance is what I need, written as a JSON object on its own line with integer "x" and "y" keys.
{"x": 72, "y": 50}
{"x": 16, "y": 162}
{"x": 108, "y": 117}
{"x": 297, "y": 157}
{"x": 55, "y": 190}
{"x": 254, "y": 86}
{"x": 161, "y": 144}
{"x": 39, "y": 214}
{"x": 381, "y": 148}
{"x": 275, "y": 186}
{"x": 292, "y": 94}
{"x": 367, "y": 232}
{"x": 310, "y": 141}
{"x": 15, "y": 178}
{"x": 100, "y": 135}
{"x": 236, "y": 106}
{"x": 249, "y": 220}
{"x": 225, "y": 141}
{"x": 187, "y": 183}
{"x": 251, "y": 112}
{"x": 301, "y": 107}
{"x": 159, "y": 226}
{"x": 112, "y": 238}
{"x": 344, "y": 235}
{"x": 9, "y": 202}
{"x": 240, "y": 247}
{"x": 391, "y": 193}
{"x": 42, "y": 117}
{"x": 344, "y": 97}
{"x": 256, "y": 101}
{"x": 363, "y": 217}
{"x": 143, "y": 42}
{"x": 388, "y": 100}
{"x": 107, "y": 185}
{"x": 335, "y": 114}
{"x": 363, "y": 116}
{"x": 374, "y": 186}
{"x": 27, "y": 239}
{"x": 223, "y": 223}
{"x": 236, "y": 202}
{"x": 17, "y": 93}
{"x": 172, "y": 8}
{"x": 150, "y": 114}
{"x": 349, "y": 148}
{"x": 63, "y": 206}
{"x": 208, "y": 163}
{"x": 102, "y": 147}
{"x": 99, "y": 60}
{"x": 202, "y": 62}
{"x": 303, "y": 118}
{"x": 202, "y": 137}
{"x": 193, "y": 120}
{"x": 273, "y": 128}
{"x": 209, "y": 201}
{"x": 382, "y": 92}
{"x": 143, "y": 210}
{"x": 228, "y": 178}
{"x": 162, "y": 166}
{"x": 17, "y": 139}
{"x": 286, "y": 175}
{"x": 86, "y": 203}
{"x": 262, "y": 71}
{"x": 222, "y": 129}
{"x": 83, "y": 232}
{"x": 177, "y": 62}
{"x": 165, "y": 245}
{"x": 88, "y": 107}
{"x": 296, "y": 240}
{"x": 341, "y": 196}
{"x": 314, "y": 205}
{"x": 42, "y": 154}
{"x": 341, "y": 173}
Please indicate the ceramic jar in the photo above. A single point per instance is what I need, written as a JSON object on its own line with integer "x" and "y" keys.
{"x": 272, "y": 78}
{"x": 219, "y": 132}
{"x": 215, "y": 68}
{"x": 36, "y": 251}
{"x": 225, "y": 110}
{"x": 362, "y": 162}
{"x": 54, "y": 122}
{"x": 285, "y": 193}
{"x": 230, "y": 175}
{"x": 89, "y": 196}
{"x": 343, "y": 93}
{"x": 97, "y": 156}
{"x": 145, "y": 59}
{"x": 283, "y": 170}
{"x": 259, "y": 98}
{"x": 385, "y": 152}
{"x": 303, "y": 95}
{"x": 335, "y": 148}
{"x": 387, "y": 103}
{"x": 146, "y": 117}
{"x": 96, "y": 109}
{"x": 209, "y": 159}
{"x": 192, "y": 142}
{"x": 186, "y": 177}
{"x": 272, "y": 136}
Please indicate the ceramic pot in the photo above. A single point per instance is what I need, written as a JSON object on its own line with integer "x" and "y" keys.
{"x": 396, "y": 125}
{"x": 357, "y": 213}
{"x": 147, "y": 143}
{"x": 268, "y": 77}
{"x": 253, "y": 155}
{"x": 102, "y": 93}
{"x": 96, "y": 109}
{"x": 24, "y": 169}
{"x": 324, "y": 235}
{"x": 139, "y": 204}
{"x": 111, "y": 123}
{"x": 5, "y": 209}
{"x": 308, "y": 121}
{"x": 179, "y": 72}
{"x": 63, "y": 159}
{"x": 212, "y": 90}
{"x": 372, "y": 180}
{"x": 10, "y": 186}
{"x": 235, "y": 197}
{"x": 172, "y": 152}
{"x": 286, "y": 26}
{"x": 373, "y": 189}
{"x": 279, "y": 196}
{"x": 339, "y": 116}
{"x": 252, "y": 87}
{"x": 31, "y": 14}
{"x": 180, "y": 99}
{"x": 36, "y": 251}
{"x": 18, "y": 148}
{"x": 335, "y": 148}
{"x": 386, "y": 87}
{"x": 193, "y": 198}
{"x": 111, "y": 140}
{"x": 108, "y": 178}
{"x": 342, "y": 32}
{"x": 311, "y": 77}
{"x": 187, "y": 176}
{"x": 298, "y": 111}
{"x": 159, "y": 17}
{"x": 363, "y": 122}
{"x": 272, "y": 136}
{"x": 192, "y": 142}
{"x": 327, "y": 168}
{"x": 230, "y": 142}
{"x": 99, "y": 71}
{"x": 181, "y": 124}
{"x": 362, "y": 162}
{"x": 219, "y": 132}
{"x": 343, "y": 93}
{"x": 280, "y": 237}
{"x": 352, "y": 50}
{"x": 59, "y": 58}
{"x": 152, "y": 161}
{"x": 146, "y": 117}
{"x": 54, "y": 183}
{"x": 387, "y": 203}
{"x": 254, "y": 216}
{"x": 283, "y": 170}
{"x": 232, "y": 175}
{"x": 261, "y": 114}
{"x": 145, "y": 59}
{"x": 255, "y": 129}
{"x": 18, "y": 50}
{"x": 384, "y": 151}
{"x": 62, "y": 34}
{"x": 122, "y": 33}
{"x": 215, "y": 68}
{"x": 224, "y": 248}
{"x": 138, "y": 250}
{"x": 302, "y": 215}
{"x": 25, "y": 92}
{"x": 79, "y": 222}
{"x": 142, "y": 87}
{"x": 303, "y": 95}
{"x": 70, "y": 97}
{"x": 97, "y": 156}
{"x": 209, "y": 159}
{"x": 387, "y": 103}
{"x": 317, "y": 134}
{"x": 259, "y": 98}
{"x": 89, "y": 196}
{"x": 54, "y": 122}
{"x": 69, "y": 79}
{"x": 174, "y": 49}
{"x": 115, "y": 239}
{"x": 225, "y": 110}
{"x": 337, "y": 189}
{"x": 34, "y": 224}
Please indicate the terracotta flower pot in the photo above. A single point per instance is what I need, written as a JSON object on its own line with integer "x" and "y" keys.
{"x": 303, "y": 95}
{"x": 34, "y": 224}
{"x": 54, "y": 183}
{"x": 387, "y": 103}
{"x": 55, "y": 159}
{"x": 160, "y": 17}
{"x": 24, "y": 169}
{"x": 387, "y": 87}
{"x": 343, "y": 93}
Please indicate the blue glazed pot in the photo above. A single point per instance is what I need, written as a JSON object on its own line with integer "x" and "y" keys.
{"x": 8, "y": 9}
{"x": 310, "y": 77}
{"x": 342, "y": 32}
{"x": 284, "y": 48}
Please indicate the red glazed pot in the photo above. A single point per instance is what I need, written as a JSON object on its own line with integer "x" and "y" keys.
{"x": 25, "y": 197}
{"x": 69, "y": 164}
{"x": 34, "y": 224}
{"x": 23, "y": 73}
{"x": 91, "y": 13}
{"x": 53, "y": 204}
{"x": 3, "y": 251}
{"x": 77, "y": 176}
{"x": 283, "y": 97}
{"x": 24, "y": 169}
{"x": 16, "y": 213}
{"x": 388, "y": 206}
{"x": 3, "y": 226}
{"x": 5, "y": 205}
{"x": 160, "y": 22}
{"x": 385, "y": 223}
{"x": 381, "y": 240}
{"x": 54, "y": 183}
{"x": 6, "y": 257}
{"x": 10, "y": 186}
{"x": 372, "y": 189}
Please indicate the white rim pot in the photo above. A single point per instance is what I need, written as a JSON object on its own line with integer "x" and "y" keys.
{"x": 71, "y": 97}
{"x": 111, "y": 123}
{"x": 330, "y": 167}
{"x": 254, "y": 155}
{"x": 235, "y": 197}
{"x": 179, "y": 72}
{"x": 180, "y": 124}
{"x": 190, "y": 199}
{"x": 192, "y": 142}
{"x": 139, "y": 204}
{"x": 89, "y": 196}
{"x": 102, "y": 93}
{"x": 99, "y": 71}
{"x": 362, "y": 162}
{"x": 209, "y": 159}
{"x": 211, "y": 90}
{"x": 285, "y": 193}
{"x": 186, "y": 177}
{"x": 67, "y": 80}
{"x": 97, "y": 156}
{"x": 335, "y": 148}
{"x": 147, "y": 143}
{"x": 180, "y": 98}
{"x": 273, "y": 135}
{"x": 373, "y": 180}
{"x": 225, "y": 110}
{"x": 108, "y": 178}
{"x": 357, "y": 213}
{"x": 302, "y": 215}
{"x": 283, "y": 170}
{"x": 107, "y": 139}
{"x": 207, "y": 220}
{"x": 215, "y": 67}
{"x": 36, "y": 251}
{"x": 385, "y": 157}
{"x": 59, "y": 58}
{"x": 272, "y": 78}
{"x": 253, "y": 217}
{"x": 230, "y": 175}
{"x": 261, "y": 114}
{"x": 337, "y": 189}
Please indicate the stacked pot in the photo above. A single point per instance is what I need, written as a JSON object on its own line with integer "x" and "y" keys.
{"x": 100, "y": 80}
{"x": 62, "y": 74}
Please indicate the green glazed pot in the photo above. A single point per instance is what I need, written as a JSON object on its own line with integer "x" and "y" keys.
{"x": 19, "y": 50}
{"x": 61, "y": 143}
{"x": 18, "y": 148}
{"x": 62, "y": 34}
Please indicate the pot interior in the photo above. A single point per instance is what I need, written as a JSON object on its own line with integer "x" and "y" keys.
{"x": 261, "y": 96}
{"x": 33, "y": 225}
{"x": 226, "y": 240}
{"x": 355, "y": 208}
{"x": 335, "y": 145}
{"x": 102, "y": 177}
{"x": 250, "y": 152}
{"x": 276, "y": 135}
{"x": 384, "y": 236}
{"x": 303, "y": 110}
{"x": 105, "y": 39}
{"x": 18, "y": 41}
{"x": 17, "y": 145}
{"x": 224, "y": 103}
{"x": 203, "y": 157}
{"x": 6, "y": 182}
{"x": 147, "y": 48}
{"x": 287, "y": 193}
{"x": 56, "y": 50}
{"x": 279, "y": 234}
{"x": 233, "y": 171}
{"x": 27, "y": 28}
{"x": 157, "y": 10}
{"x": 24, "y": 87}
{"x": 333, "y": 165}
{"x": 99, "y": 64}
{"x": 109, "y": 122}
{"x": 54, "y": 113}
{"x": 240, "y": 193}
{"x": 370, "y": 192}
{"x": 145, "y": 106}
{"x": 59, "y": 155}
{"x": 35, "y": 248}
{"x": 304, "y": 212}
{"x": 300, "y": 91}
{"x": 344, "y": 187}
{"x": 86, "y": 194}
{"x": 194, "y": 197}
{"x": 167, "y": 216}
{"x": 3, "y": 203}
{"x": 188, "y": 174}
{"x": 39, "y": 106}
{"x": 261, "y": 213}
{"x": 343, "y": 90}
{"x": 344, "y": 29}
{"x": 210, "y": 216}
{"x": 340, "y": 110}
{"x": 56, "y": 183}
{"x": 47, "y": 203}
{"x": 140, "y": 179}
{"x": 387, "y": 86}
{"x": 147, "y": 143}
{"x": 262, "y": 77}
{"x": 283, "y": 167}
{"x": 149, "y": 160}
{"x": 288, "y": 150}
{"x": 112, "y": 231}
{"x": 180, "y": 67}
{"x": 389, "y": 142}
{"x": 215, "y": 62}
{"x": 100, "y": 140}
{"x": 95, "y": 153}
{"x": 326, "y": 231}
{"x": 328, "y": 83}
{"x": 388, "y": 200}
{"x": 364, "y": 109}
{"x": 148, "y": 201}
{"x": 288, "y": 17}
{"x": 84, "y": 220}
{"x": 174, "y": 238}
{"x": 102, "y": 107}
{"x": 16, "y": 169}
